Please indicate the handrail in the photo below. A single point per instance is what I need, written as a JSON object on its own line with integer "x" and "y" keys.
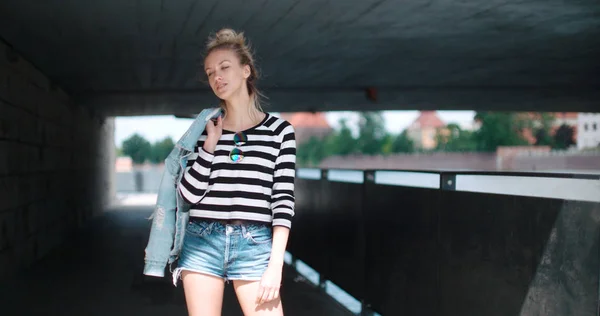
{"x": 577, "y": 187}
{"x": 356, "y": 227}
{"x": 474, "y": 172}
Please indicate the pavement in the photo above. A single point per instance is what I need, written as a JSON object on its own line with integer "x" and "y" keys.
{"x": 99, "y": 272}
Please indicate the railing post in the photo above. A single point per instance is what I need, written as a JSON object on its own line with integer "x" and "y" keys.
{"x": 322, "y": 282}
{"x": 294, "y": 263}
{"x": 365, "y": 309}
{"x": 322, "y": 278}
{"x": 447, "y": 181}
{"x": 368, "y": 179}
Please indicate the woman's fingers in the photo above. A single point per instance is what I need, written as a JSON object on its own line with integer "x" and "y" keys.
{"x": 267, "y": 294}
{"x": 260, "y": 294}
{"x": 271, "y": 295}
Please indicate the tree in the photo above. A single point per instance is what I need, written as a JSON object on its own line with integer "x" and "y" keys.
{"x": 388, "y": 143}
{"x": 338, "y": 143}
{"x": 543, "y": 138}
{"x": 456, "y": 140}
{"x": 372, "y": 133}
{"x": 563, "y": 138}
{"x": 542, "y": 133}
{"x": 499, "y": 129}
{"x": 341, "y": 142}
{"x": 161, "y": 149}
{"x": 137, "y": 147}
{"x": 311, "y": 153}
{"x": 402, "y": 143}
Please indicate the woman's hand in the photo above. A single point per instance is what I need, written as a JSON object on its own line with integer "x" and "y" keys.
{"x": 270, "y": 283}
{"x": 214, "y": 129}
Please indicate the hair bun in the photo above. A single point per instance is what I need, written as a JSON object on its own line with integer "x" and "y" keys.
{"x": 226, "y": 36}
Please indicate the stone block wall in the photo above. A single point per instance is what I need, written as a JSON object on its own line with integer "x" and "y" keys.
{"x": 53, "y": 166}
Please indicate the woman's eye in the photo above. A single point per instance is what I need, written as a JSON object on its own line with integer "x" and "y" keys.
{"x": 225, "y": 67}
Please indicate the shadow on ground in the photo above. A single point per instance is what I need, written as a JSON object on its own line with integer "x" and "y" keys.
{"x": 99, "y": 272}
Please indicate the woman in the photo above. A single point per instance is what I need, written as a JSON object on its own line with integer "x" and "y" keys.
{"x": 241, "y": 187}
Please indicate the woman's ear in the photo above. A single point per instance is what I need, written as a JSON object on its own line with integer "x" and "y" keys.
{"x": 247, "y": 71}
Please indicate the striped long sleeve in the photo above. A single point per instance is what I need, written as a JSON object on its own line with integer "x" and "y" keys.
{"x": 194, "y": 182}
{"x": 283, "y": 199}
{"x": 257, "y": 186}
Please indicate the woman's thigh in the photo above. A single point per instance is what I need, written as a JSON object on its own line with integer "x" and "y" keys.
{"x": 203, "y": 293}
{"x": 247, "y": 291}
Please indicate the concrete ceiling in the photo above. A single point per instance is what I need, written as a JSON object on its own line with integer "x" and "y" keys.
{"x": 141, "y": 57}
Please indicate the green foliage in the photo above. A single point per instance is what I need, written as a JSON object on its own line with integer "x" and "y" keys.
{"x": 137, "y": 147}
{"x": 542, "y": 132}
{"x": 373, "y": 139}
{"x": 402, "y": 143}
{"x": 496, "y": 129}
{"x": 311, "y": 152}
{"x": 456, "y": 140}
{"x": 161, "y": 149}
{"x": 341, "y": 142}
{"x": 499, "y": 129}
{"x": 372, "y": 133}
{"x": 563, "y": 138}
{"x": 543, "y": 138}
{"x": 140, "y": 150}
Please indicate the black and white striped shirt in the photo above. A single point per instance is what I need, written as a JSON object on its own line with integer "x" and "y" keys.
{"x": 258, "y": 188}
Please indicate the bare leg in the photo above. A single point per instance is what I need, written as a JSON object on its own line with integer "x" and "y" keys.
{"x": 203, "y": 293}
{"x": 246, "y": 292}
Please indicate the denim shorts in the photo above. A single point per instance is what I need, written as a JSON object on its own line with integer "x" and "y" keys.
{"x": 227, "y": 251}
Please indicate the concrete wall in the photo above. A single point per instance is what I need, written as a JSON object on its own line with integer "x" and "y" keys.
{"x": 145, "y": 179}
{"x": 567, "y": 162}
{"x": 53, "y": 171}
{"x": 433, "y": 161}
{"x": 469, "y": 161}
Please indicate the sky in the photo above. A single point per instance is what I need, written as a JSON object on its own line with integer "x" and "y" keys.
{"x": 155, "y": 128}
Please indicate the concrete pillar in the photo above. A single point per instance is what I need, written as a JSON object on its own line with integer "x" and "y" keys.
{"x": 107, "y": 161}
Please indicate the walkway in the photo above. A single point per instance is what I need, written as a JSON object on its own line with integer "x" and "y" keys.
{"x": 99, "y": 273}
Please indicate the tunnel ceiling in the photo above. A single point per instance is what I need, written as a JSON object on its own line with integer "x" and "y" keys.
{"x": 141, "y": 57}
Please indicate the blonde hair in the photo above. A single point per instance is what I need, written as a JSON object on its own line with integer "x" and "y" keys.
{"x": 229, "y": 39}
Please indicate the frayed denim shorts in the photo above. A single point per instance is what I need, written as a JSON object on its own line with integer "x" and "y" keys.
{"x": 229, "y": 251}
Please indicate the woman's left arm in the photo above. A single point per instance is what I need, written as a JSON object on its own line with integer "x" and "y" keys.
{"x": 270, "y": 282}
{"x": 282, "y": 205}
{"x": 280, "y": 239}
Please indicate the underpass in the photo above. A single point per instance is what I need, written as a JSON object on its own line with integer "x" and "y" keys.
{"x": 67, "y": 69}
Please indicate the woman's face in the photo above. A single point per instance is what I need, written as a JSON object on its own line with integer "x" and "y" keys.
{"x": 226, "y": 75}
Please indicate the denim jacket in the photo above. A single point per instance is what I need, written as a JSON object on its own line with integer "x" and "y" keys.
{"x": 171, "y": 213}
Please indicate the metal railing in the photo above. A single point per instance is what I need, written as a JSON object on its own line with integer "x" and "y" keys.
{"x": 452, "y": 243}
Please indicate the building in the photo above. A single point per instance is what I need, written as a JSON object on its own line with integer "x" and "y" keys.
{"x": 559, "y": 118}
{"x": 123, "y": 164}
{"x": 588, "y": 126}
{"x": 423, "y": 131}
{"x": 566, "y": 118}
{"x": 307, "y": 125}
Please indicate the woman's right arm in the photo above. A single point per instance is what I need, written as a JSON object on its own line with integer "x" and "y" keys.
{"x": 195, "y": 179}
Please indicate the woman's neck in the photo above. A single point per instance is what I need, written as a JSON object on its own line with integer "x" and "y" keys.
{"x": 241, "y": 113}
